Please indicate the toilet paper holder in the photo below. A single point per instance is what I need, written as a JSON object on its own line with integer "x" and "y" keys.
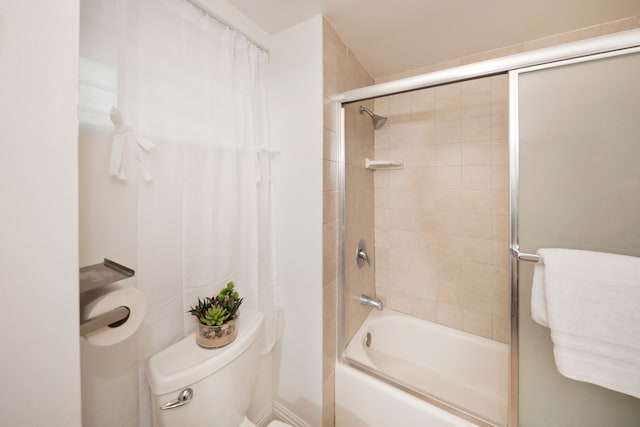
{"x": 95, "y": 276}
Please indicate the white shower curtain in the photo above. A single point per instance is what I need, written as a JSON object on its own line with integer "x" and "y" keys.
{"x": 194, "y": 88}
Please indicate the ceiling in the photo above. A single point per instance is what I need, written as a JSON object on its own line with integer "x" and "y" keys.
{"x": 393, "y": 36}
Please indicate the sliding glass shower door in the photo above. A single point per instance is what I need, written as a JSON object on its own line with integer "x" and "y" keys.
{"x": 579, "y": 188}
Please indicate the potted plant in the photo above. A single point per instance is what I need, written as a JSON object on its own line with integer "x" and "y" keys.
{"x": 217, "y": 318}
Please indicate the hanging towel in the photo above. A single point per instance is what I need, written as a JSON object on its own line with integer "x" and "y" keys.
{"x": 591, "y": 303}
{"x": 125, "y": 138}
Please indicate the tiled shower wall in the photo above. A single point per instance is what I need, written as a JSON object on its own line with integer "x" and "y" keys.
{"x": 341, "y": 72}
{"x": 441, "y": 223}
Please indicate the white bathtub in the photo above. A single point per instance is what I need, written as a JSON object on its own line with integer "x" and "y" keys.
{"x": 466, "y": 370}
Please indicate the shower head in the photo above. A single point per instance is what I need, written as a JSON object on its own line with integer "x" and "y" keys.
{"x": 378, "y": 121}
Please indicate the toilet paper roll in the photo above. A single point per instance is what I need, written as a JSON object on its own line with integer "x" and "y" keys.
{"x": 105, "y": 299}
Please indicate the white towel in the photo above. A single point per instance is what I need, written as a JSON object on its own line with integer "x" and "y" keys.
{"x": 591, "y": 303}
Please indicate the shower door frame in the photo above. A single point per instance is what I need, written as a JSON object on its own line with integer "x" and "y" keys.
{"x": 514, "y": 64}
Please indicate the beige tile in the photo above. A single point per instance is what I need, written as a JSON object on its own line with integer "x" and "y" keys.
{"x": 329, "y": 175}
{"x": 500, "y": 127}
{"x": 448, "y": 154}
{"x": 448, "y": 90}
{"x": 330, "y": 206}
{"x": 448, "y": 108}
{"x": 329, "y": 115}
{"x": 500, "y": 152}
{"x": 424, "y": 309}
{"x": 476, "y": 129}
{"x": 501, "y": 300}
{"x": 414, "y": 156}
{"x": 476, "y": 153}
{"x": 484, "y": 276}
{"x": 400, "y": 301}
{"x": 501, "y": 329}
{"x": 500, "y": 102}
{"x": 449, "y": 292}
{"x": 448, "y": 131}
{"x": 448, "y": 224}
{"x": 476, "y": 177}
{"x": 419, "y": 179}
{"x": 329, "y": 265}
{"x": 500, "y": 202}
{"x": 334, "y": 58}
{"x": 381, "y": 105}
{"x": 448, "y": 201}
{"x": 500, "y": 227}
{"x": 477, "y": 226}
{"x": 477, "y": 202}
{"x": 477, "y": 323}
{"x": 477, "y": 298}
{"x": 476, "y": 85}
{"x": 449, "y": 248}
{"x": 500, "y": 177}
{"x": 400, "y": 104}
{"x": 329, "y": 145}
{"x": 421, "y": 286}
{"x": 478, "y": 250}
{"x": 449, "y": 271}
{"x": 422, "y": 100}
{"x": 387, "y": 277}
{"x": 328, "y": 399}
{"x": 449, "y": 315}
{"x": 477, "y": 104}
{"x": 448, "y": 177}
{"x": 499, "y": 82}
{"x": 500, "y": 252}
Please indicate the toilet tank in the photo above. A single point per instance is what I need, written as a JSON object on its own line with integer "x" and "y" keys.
{"x": 221, "y": 380}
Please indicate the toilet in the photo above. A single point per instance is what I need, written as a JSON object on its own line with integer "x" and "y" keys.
{"x": 193, "y": 386}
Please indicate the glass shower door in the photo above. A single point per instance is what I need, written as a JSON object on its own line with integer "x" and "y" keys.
{"x": 579, "y": 188}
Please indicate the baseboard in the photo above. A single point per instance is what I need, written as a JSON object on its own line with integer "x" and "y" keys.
{"x": 264, "y": 417}
{"x": 283, "y": 414}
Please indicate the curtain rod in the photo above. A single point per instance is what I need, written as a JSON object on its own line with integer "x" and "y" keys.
{"x": 206, "y": 10}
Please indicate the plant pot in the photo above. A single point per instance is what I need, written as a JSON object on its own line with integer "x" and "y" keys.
{"x": 216, "y": 336}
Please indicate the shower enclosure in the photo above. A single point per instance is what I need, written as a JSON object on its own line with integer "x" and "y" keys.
{"x": 471, "y": 171}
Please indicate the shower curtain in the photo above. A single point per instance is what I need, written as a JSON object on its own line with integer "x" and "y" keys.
{"x": 194, "y": 88}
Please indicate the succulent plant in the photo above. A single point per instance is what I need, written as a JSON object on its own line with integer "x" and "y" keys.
{"x": 215, "y": 316}
{"x": 216, "y": 311}
{"x": 230, "y": 300}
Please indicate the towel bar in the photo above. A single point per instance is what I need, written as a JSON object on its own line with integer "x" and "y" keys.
{"x": 521, "y": 256}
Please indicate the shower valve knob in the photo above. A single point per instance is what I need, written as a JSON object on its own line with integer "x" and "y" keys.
{"x": 361, "y": 254}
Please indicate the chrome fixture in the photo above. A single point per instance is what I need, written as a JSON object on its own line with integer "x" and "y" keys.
{"x": 378, "y": 121}
{"x": 361, "y": 254}
{"x": 521, "y": 256}
{"x": 184, "y": 398}
{"x": 95, "y": 276}
{"x": 367, "y": 300}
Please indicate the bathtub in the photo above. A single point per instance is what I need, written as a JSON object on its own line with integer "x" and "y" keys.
{"x": 455, "y": 367}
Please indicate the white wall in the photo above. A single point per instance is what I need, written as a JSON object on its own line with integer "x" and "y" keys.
{"x": 39, "y": 356}
{"x": 295, "y": 93}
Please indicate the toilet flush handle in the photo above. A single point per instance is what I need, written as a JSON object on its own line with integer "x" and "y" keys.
{"x": 183, "y": 399}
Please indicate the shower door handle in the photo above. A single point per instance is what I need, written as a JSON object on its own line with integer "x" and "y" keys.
{"x": 522, "y": 256}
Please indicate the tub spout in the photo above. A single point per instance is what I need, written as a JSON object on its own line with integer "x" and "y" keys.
{"x": 367, "y": 300}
